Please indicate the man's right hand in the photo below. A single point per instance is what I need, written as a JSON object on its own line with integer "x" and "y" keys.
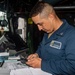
{"x": 31, "y": 56}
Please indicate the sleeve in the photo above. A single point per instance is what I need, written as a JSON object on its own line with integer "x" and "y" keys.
{"x": 38, "y": 51}
{"x": 63, "y": 66}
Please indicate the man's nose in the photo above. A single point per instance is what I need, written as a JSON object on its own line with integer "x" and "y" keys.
{"x": 40, "y": 28}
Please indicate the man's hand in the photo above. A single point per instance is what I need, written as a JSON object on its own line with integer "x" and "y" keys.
{"x": 32, "y": 56}
{"x": 34, "y": 61}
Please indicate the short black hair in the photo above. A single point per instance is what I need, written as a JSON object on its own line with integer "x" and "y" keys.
{"x": 37, "y": 8}
{"x": 41, "y": 6}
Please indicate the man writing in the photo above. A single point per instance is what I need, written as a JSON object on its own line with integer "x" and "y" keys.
{"x": 56, "y": 52}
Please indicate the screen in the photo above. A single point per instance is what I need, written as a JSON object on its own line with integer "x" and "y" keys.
{"x": 20, "y": 44}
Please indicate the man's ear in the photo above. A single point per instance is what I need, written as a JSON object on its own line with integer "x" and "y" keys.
{"x": 51, "y": 17}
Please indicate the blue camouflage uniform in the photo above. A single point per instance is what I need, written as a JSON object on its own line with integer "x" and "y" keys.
{"x": 58, "y": 51}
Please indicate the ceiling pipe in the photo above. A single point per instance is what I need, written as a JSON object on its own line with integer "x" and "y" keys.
{"x": 64, "y": 7}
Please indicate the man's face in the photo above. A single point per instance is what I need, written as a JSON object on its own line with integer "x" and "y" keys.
{"x": 44, "y": 24}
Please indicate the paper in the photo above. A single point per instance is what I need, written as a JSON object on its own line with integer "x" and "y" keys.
{"x": 29, "y": 71}
{"x": 24, "y": 71}
{"x": 38, "y": 71}
{"x": 4, "y": 71}
{"x": 4, "y": 54}
{"x": 13, "y": 65}
{"x": 14, "y": 58}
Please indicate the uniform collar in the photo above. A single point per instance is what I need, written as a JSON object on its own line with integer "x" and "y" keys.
{"x": 62, "y": 29}
{"x": 58, "y": 33}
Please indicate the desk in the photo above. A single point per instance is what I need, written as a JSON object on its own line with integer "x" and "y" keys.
{"x": 29, "y": 71}
{"x": 14, "y": 67}
{"x": 4, "y": 71}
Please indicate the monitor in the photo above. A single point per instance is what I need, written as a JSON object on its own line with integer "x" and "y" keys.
{"x": 15, "y": 38}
